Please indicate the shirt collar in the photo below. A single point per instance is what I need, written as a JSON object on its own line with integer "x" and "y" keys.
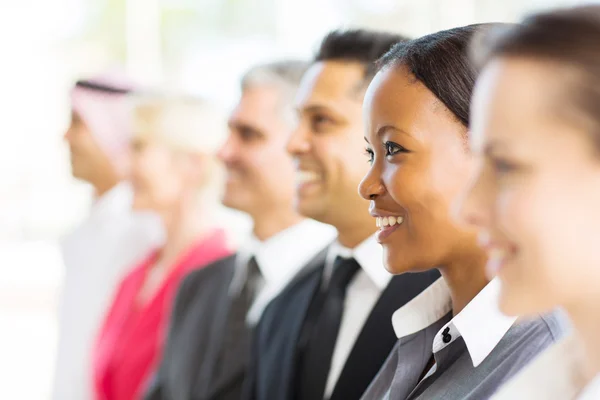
{"x": 555, "y": 374}
{"x": 115, "y": 205}
{"x": 480, "y": 323}
{"x": 117, "y": 200}
{"x": 429, "y": 306}
{"x": 591, "y": 391}
{"x": 280, "y": 257}
{"x": 368, "y": 254}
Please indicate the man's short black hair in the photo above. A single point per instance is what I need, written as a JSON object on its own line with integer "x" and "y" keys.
{"x": 357, "y": 45}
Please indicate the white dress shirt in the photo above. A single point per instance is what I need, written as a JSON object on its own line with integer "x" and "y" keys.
{"x": 480, "y": 323}
{"x": 591, "y": 391}
{"x": 361, "y": 296}
{"x": 279, "y": 259}
{"x": 554, "y": 375}
{"x": 96, "y": 254}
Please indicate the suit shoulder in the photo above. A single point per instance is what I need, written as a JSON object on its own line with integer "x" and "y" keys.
{"x": 527, "y": 338}
{"x": 219, "y": 268}
{"x": 218, "y": 271}
{"x": 298, "y": 284}
{"x": 550, "y": 326}
{"x": 286, "y": 299}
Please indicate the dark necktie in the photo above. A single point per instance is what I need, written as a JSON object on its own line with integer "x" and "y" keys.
{"x": 236, "y": 333}
{"x": 320, "y": 331}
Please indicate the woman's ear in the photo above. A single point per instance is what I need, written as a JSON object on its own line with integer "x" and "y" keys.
{"x": 203, "y": 173}
{"x": 193, "y": 165}
{"x": 201, "y": 168}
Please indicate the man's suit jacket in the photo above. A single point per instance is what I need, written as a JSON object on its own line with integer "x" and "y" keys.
{"x": 188, "y": 370}
{"x": 273, "y": 364}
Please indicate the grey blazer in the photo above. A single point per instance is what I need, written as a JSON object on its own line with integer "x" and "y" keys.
{"x": 192, "y": 352}
{"x": 455, "y": 378}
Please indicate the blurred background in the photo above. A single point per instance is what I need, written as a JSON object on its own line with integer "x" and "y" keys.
{"x": 197, "y": 46}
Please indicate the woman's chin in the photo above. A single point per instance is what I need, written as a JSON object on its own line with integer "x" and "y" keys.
{"x": 522, "y": 301}
{"x": 395, "y": 264}
{"x": 512, "y": 307}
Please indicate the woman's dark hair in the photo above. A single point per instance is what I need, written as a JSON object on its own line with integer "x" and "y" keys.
{"x": 567, "y": 38}
{"x": 441, "y": 62}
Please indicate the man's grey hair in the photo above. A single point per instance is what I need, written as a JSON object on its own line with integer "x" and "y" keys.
{"x": 284, "y": 75}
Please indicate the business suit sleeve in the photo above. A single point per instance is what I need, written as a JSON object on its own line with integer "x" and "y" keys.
{"x": 155, "y": 388}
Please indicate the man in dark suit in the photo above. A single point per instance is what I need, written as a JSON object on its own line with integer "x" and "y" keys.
{"x": 208, "y": 343}
{"x": 328, "y": 333}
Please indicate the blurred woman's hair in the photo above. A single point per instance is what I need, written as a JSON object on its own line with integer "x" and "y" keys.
{"x": 441, "y": 62}
{"x": 186, "y": 125}
{"x": 567, "y": 40}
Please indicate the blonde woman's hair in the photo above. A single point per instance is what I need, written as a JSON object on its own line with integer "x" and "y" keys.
{"x": 188, "y": 125}
{"x": 185, "y": 124}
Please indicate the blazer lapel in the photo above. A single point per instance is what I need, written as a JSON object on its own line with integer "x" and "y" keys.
{"x": 234, "y": 373}
{"x": 213, "y": 328}
{"x": 309, "y": 279}
{"x": 280, "y": 329}
{"x": 317, "y": 262}
{"x": 377, "y": 337}
{"x": 191, "y": 341}
{"x": 234, "y": 359}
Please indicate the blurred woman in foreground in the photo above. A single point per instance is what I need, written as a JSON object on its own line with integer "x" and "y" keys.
{"x": 536, "y": 197}
{"x": 175, "y": 174}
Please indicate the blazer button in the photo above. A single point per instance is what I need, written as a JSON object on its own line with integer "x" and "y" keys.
{"x": 446, "y": 337}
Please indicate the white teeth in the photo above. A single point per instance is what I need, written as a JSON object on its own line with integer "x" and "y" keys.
{"x": 382, "y": 222}
{"x": 306, "y": 176}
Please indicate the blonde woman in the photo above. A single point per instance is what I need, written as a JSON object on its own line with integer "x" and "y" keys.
{"x": 175, "y": 174}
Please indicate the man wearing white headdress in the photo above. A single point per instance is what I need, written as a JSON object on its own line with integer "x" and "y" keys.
{"x": 110, "y": 239}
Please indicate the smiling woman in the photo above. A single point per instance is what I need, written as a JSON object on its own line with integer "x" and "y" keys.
{"x": 417, "y": 116}
{"x": 174, "y": 174}
{"x": 535, "y": 128}
{"x": 416, "y": 135}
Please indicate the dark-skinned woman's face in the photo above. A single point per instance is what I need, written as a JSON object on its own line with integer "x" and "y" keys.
{"x": 419, "y": 164}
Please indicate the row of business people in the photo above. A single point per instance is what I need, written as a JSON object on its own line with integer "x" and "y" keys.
{"x": 474, "y": 152}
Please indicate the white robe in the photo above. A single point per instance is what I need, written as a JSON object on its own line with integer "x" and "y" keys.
{"x": 96, "y": 255}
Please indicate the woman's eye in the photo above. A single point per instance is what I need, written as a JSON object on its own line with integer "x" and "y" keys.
{"x": 137, "y": 146}
{"x": 503, "y": 167}
{"x": 247, "y": 134}
{"x": 392, "y": 149}
{"x": 370, "y": 155}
